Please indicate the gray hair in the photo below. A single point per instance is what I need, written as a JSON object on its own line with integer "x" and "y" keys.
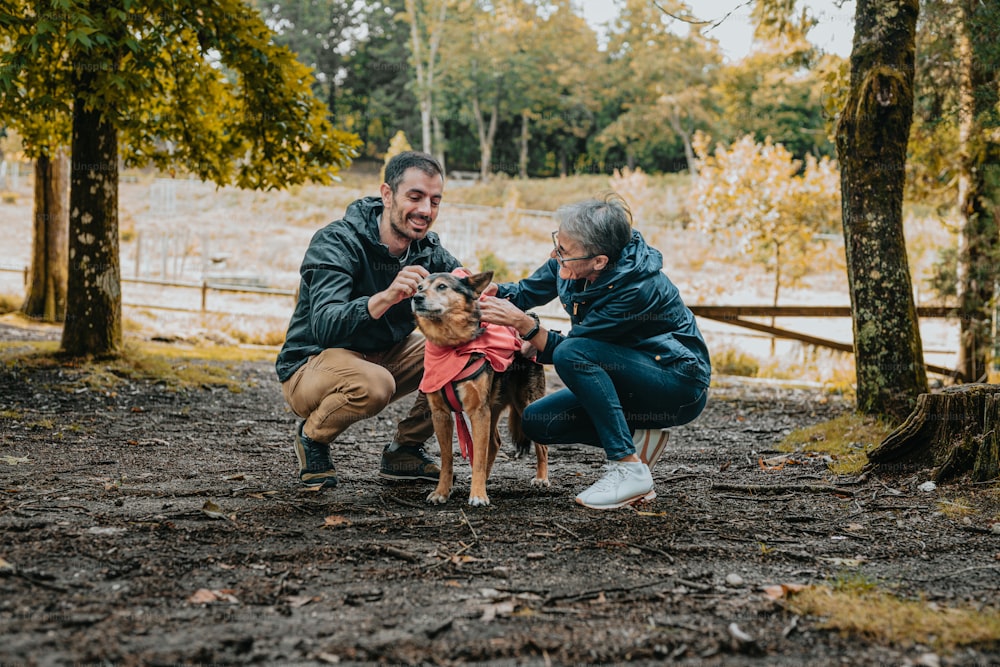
{"x": 602, "y": 227}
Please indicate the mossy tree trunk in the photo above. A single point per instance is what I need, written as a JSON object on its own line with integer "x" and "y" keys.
{"x": 956, "y": 431}
{"x": 94, "y": 309}
{"x": 978, "y": 241}
{"x": 872, "y": 135}
{"x": 46, "y": 298}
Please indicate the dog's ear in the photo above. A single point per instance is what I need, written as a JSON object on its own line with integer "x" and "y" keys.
{"x": 479, "y": 281}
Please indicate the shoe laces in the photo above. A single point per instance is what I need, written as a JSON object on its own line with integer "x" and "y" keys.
{"x": 614, "y": 474}
{"x": 317, "y": 457}
{"x": 419, "y": 452}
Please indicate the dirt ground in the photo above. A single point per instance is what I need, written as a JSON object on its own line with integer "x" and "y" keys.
{"x": 146, "y": 526}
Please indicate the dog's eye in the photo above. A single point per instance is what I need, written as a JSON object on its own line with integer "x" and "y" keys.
{"x": 441, "y": 287}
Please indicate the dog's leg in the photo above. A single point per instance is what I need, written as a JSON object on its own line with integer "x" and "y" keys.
{"x": 494, "y": 446}
{"x": 522, "y": 442}
{"x": 444, "y": 424}
{"x": 480, "y": 418}
{"x": 541, "y": 466}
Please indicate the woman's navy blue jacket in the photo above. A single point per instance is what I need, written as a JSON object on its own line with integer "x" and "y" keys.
{"x": 632, "y": 303}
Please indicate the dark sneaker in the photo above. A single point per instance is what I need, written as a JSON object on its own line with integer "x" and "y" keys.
{"x": 408, "y": 462}
{"x": 315, "y": 467}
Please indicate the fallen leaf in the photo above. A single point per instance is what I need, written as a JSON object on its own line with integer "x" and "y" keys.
{"x": 6, "y": 567}
{"x": 783, "y": 590}
{"x": 764, "y": 466}
{"x": 296, "y": 601}
{"x": 15, "y": 460}
{"x": 207, "y": 596}
{"x": 212, "y": 510}
{"x": 336, "y": 521}
{"x": 843, "y": 562}
{"x": 648, "y": 513}
{"x": 491, "y": 611}
{"x": 600, "y": 599}
{"x": 202, "y": 596}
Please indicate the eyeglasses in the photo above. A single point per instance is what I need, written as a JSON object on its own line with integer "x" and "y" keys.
{"x": 559, "y": 258}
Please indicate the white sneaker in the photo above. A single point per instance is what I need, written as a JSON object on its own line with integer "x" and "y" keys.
{"x": 622, "y": 484}
{"x": 649, "y": 444}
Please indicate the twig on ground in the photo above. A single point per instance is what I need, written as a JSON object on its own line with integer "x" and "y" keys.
{"x": 594, "y": 592}
{"x": 782, "y": 488}
{"x": 465, "y": 518}
{"x": 962, "y": 571}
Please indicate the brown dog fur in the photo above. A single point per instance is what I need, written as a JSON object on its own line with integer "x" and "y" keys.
{"x": 447, "y": 312}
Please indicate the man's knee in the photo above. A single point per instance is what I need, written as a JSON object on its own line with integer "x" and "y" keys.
{"x": 377, "y": 392}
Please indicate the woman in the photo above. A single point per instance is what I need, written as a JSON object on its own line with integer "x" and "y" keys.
{"x": 633, "y": 359}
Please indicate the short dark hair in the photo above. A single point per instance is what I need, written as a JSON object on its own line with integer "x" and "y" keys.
{"x": 602, "y": 227}
{"x": 398, "y": 165}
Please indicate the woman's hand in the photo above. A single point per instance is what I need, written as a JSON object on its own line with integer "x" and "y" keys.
{"x": 501, "y": 311}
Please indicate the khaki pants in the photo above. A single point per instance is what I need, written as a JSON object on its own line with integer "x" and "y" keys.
{"x": 338, "y": 387}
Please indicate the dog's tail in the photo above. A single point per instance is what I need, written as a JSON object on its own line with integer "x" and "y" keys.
{"x": 522, "y": 443}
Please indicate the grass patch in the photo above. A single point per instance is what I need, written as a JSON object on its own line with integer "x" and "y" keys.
{"x": 884, "y": 618}
{"x": 955, "y": 509}
{"x": 731, "y": 361}
{"x": 10, "y": 303}
{"x": 847, "y": 439}
{"x": 176, "y": 367}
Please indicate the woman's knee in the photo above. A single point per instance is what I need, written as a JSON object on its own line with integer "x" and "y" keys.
{"x": 574, "y": 354}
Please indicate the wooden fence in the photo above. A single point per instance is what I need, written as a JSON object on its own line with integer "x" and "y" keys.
{"x": 731, "y": 315}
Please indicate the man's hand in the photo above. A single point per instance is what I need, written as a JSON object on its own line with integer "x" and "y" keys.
{"x": 403, "y": 286}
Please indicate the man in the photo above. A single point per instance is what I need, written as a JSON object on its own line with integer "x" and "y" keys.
{"x": 351, "y": 347}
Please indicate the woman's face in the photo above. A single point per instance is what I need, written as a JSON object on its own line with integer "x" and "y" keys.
{"x": 575, "y": 262}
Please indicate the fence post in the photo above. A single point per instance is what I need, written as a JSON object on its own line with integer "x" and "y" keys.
{"x": 204, "y": 293}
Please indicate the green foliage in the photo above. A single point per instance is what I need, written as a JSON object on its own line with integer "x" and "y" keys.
{"x": 730, "y": 361}
{"x": 769, "y": 203}
{"x": 501, "y": 270}
{"x": 398, "y": 145}
{"x": 200, "y": 86}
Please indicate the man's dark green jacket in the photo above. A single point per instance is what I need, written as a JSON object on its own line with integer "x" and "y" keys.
{"x": 344, "y": 266}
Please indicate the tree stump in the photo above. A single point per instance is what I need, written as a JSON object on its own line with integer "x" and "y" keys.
{"x": 954, "y": 431}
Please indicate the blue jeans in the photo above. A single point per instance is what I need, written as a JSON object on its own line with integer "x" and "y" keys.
{"x": 611, "y": 391}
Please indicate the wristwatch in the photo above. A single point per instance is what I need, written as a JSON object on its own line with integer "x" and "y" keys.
{"x": 534, "y": 330}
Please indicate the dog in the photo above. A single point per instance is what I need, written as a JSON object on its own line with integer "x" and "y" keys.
{"x": 446, "y": 310}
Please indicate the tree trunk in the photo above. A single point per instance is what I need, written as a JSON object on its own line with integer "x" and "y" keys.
{"x": 955, "y": 431}
{"x": 871, "y": 141}
{"x": 677, "y": 125}
{"x": 94, "y": 308}
{"x": 439, "y": 142}
{"x": 978, "y": 239}
{"x": 522, "y": 161}
{"x": 46, "y": 299}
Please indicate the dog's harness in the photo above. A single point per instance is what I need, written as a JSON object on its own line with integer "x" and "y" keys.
{"x": 494, "y": 347}
{"x": 476, "y": 366}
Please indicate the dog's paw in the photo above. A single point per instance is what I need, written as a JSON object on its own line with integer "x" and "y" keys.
{"x": 540, "y": 482}
{"x": 476, "y": 501}
{"x": 436, "y": 498}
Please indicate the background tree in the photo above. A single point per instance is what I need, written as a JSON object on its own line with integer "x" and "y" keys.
{"x": 427, "y": 24}
{"x": 872, "y": 138}
{"x": 770, "y": 203}
{"x": 151, "y": 73}
{"x": 663, "y": 86}
{"x": 776, "y": 91}
{"x": 44, "y": 138}
{"x": 47, "y": 281}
